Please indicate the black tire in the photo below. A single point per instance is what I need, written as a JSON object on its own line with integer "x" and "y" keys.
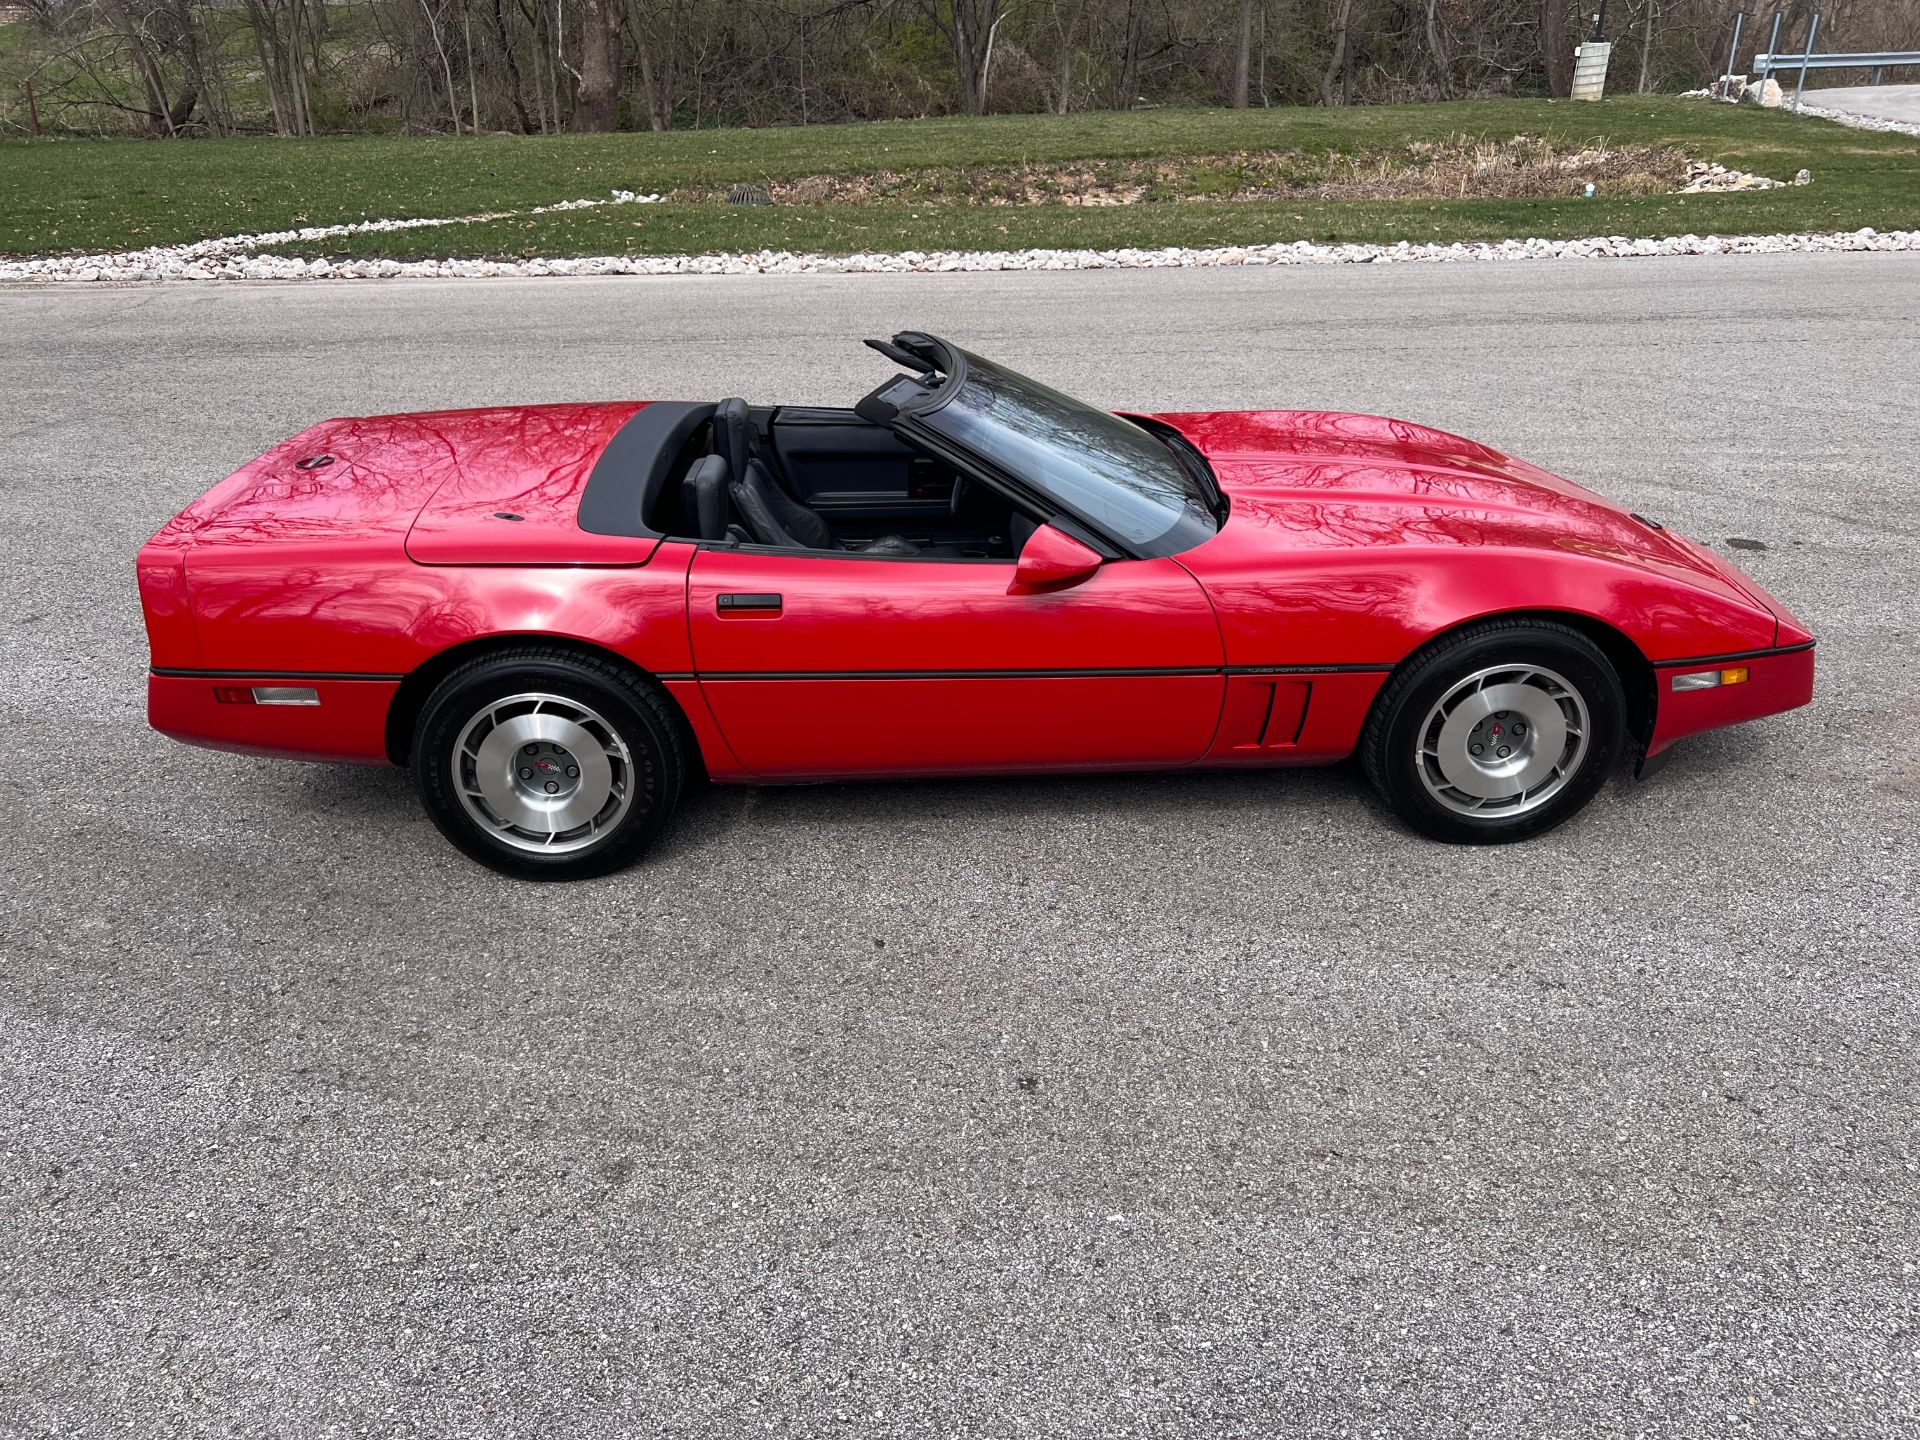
{"x": 640, "y": 717}
{"x": 1391, "y": 744}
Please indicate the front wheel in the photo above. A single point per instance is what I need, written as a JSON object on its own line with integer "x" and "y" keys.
{"x": 1496, "y": 733}
{"x": 548, "y": 765}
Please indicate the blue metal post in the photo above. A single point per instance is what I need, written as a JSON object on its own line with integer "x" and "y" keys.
{"x": 1733, "y": 52}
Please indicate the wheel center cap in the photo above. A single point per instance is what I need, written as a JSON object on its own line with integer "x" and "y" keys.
{"x": 1494, "y": 743}
{"x": 546, "y": 770}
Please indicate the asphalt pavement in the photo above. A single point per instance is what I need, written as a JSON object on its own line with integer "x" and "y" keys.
{"x": 1139, "y": 1106}
{"x": 1885, "y": 102}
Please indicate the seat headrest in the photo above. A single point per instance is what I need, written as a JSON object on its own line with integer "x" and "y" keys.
{"x": 703, "y": 499}
{"x": 733, "y": 435}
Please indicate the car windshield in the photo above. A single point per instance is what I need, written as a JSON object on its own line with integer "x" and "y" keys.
{"x": 1107, "y": 471}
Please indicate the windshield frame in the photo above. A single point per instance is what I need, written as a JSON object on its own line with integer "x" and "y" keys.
{"x": 918, "y": 420}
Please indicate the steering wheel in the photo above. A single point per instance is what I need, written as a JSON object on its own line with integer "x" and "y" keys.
{"x": 959, "y": 490}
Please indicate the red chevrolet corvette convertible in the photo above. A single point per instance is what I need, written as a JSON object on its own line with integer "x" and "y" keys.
{"x": 558, "y": 615}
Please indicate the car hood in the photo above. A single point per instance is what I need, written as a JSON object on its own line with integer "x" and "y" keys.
{"x": 470, "y": 487}
{"x": 1312, "y": 480}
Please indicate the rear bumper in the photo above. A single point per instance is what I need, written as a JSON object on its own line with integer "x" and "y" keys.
{"x": 349, "y": 724}
{"x": 1778, "y": 679}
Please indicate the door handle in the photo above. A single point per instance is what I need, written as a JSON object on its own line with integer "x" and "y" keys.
{"x": 754, "y": 604}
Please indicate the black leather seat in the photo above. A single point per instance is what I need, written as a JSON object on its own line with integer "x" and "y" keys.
{"x": 773, "y": 517}
{"x": 704, "y": 501}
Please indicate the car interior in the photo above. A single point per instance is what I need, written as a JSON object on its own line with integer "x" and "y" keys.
{"x": 797, "y": 477}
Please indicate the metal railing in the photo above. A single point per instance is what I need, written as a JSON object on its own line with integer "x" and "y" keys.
{"x": 1771, "y": 59}
{"x": 1874, "y": 60}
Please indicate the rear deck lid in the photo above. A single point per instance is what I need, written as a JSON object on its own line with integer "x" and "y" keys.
{"x": 497, "y": 486}
{"x": 354, "y": 480}
{"x": 510, "y": 489}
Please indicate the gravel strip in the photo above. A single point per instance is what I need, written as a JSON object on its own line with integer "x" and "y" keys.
{"x": 1859, "y": 121}
{"x": 159, "y": 265}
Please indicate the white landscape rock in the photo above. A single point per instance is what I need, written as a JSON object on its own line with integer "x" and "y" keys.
{"x": 1705, "y": 175}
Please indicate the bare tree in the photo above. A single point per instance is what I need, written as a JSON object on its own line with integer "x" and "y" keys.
{"x": 168, "y": 68}
{"x": 1242, "y": 56}
{"x": 970, "y": 26}
{"x": 1438, "y": 56}
{"x": 598, "y": 104}
{"x": 1554, "y": 52}
{"x": 276, "y": 39}
{"x": 1342, "y": 54}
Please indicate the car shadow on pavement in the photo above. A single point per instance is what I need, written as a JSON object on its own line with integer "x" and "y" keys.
{"x": 1334, "y": 803}
{"x": 715, "y": 814}
{"x": 712, "y": 814}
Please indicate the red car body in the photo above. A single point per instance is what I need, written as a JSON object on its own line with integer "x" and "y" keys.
{"x": 1351, "y": 541}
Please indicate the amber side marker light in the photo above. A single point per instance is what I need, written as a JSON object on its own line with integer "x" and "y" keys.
{"x": 1709, "y": 679}
{"x": 266, "y": 695}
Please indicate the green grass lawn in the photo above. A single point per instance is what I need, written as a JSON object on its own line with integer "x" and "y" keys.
{"x": 71, "y": 195}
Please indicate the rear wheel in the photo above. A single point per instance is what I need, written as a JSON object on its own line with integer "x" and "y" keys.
{"x": 548, "y": 765}
{"x": 1496, "y": 733}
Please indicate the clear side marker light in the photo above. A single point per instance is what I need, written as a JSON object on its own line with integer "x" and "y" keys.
{"x": 1710, "y": 679}
{"x": 285, "y": 695}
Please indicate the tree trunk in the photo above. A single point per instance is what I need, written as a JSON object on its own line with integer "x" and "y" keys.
{"x": 1336, "y": 67}
{"x": 1066, "y": 24}
{"x": 260, "y": 20}
{"x": 969, "y": 27}
{"x": 1553, "y": 49}
{"x": 1242, "y": 56}
{"x": 515, "y": 97}
{"x": 473, "y": 74}
{"x": 145, "y": 66}
{"x": 1646, "y": 43}
{"x": 1126, "y": 81}
{"x": 1437, "y": 52}
{"x": 597, "y": 108}
{"x": 296, "y": 68}
{"x": 1265, "y": 46}
{"x": 558, "y": 60}
{"x": 986, "y": 62}
{"x": 193, "y": 56}
{"x": 446, "y": 65}
{"x": 966, "y": 68}
{"x": 667, "y": 72}
{"x": 648, "y": 87}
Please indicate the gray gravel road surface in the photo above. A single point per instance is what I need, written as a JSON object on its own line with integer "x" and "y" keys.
{"x": 1145, "y": 1106}
{"x": 1885, "y": 102}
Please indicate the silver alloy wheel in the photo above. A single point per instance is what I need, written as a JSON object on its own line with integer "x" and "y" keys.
{"x": 1503, "y": 741}
{"x": 543, "y": 773}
